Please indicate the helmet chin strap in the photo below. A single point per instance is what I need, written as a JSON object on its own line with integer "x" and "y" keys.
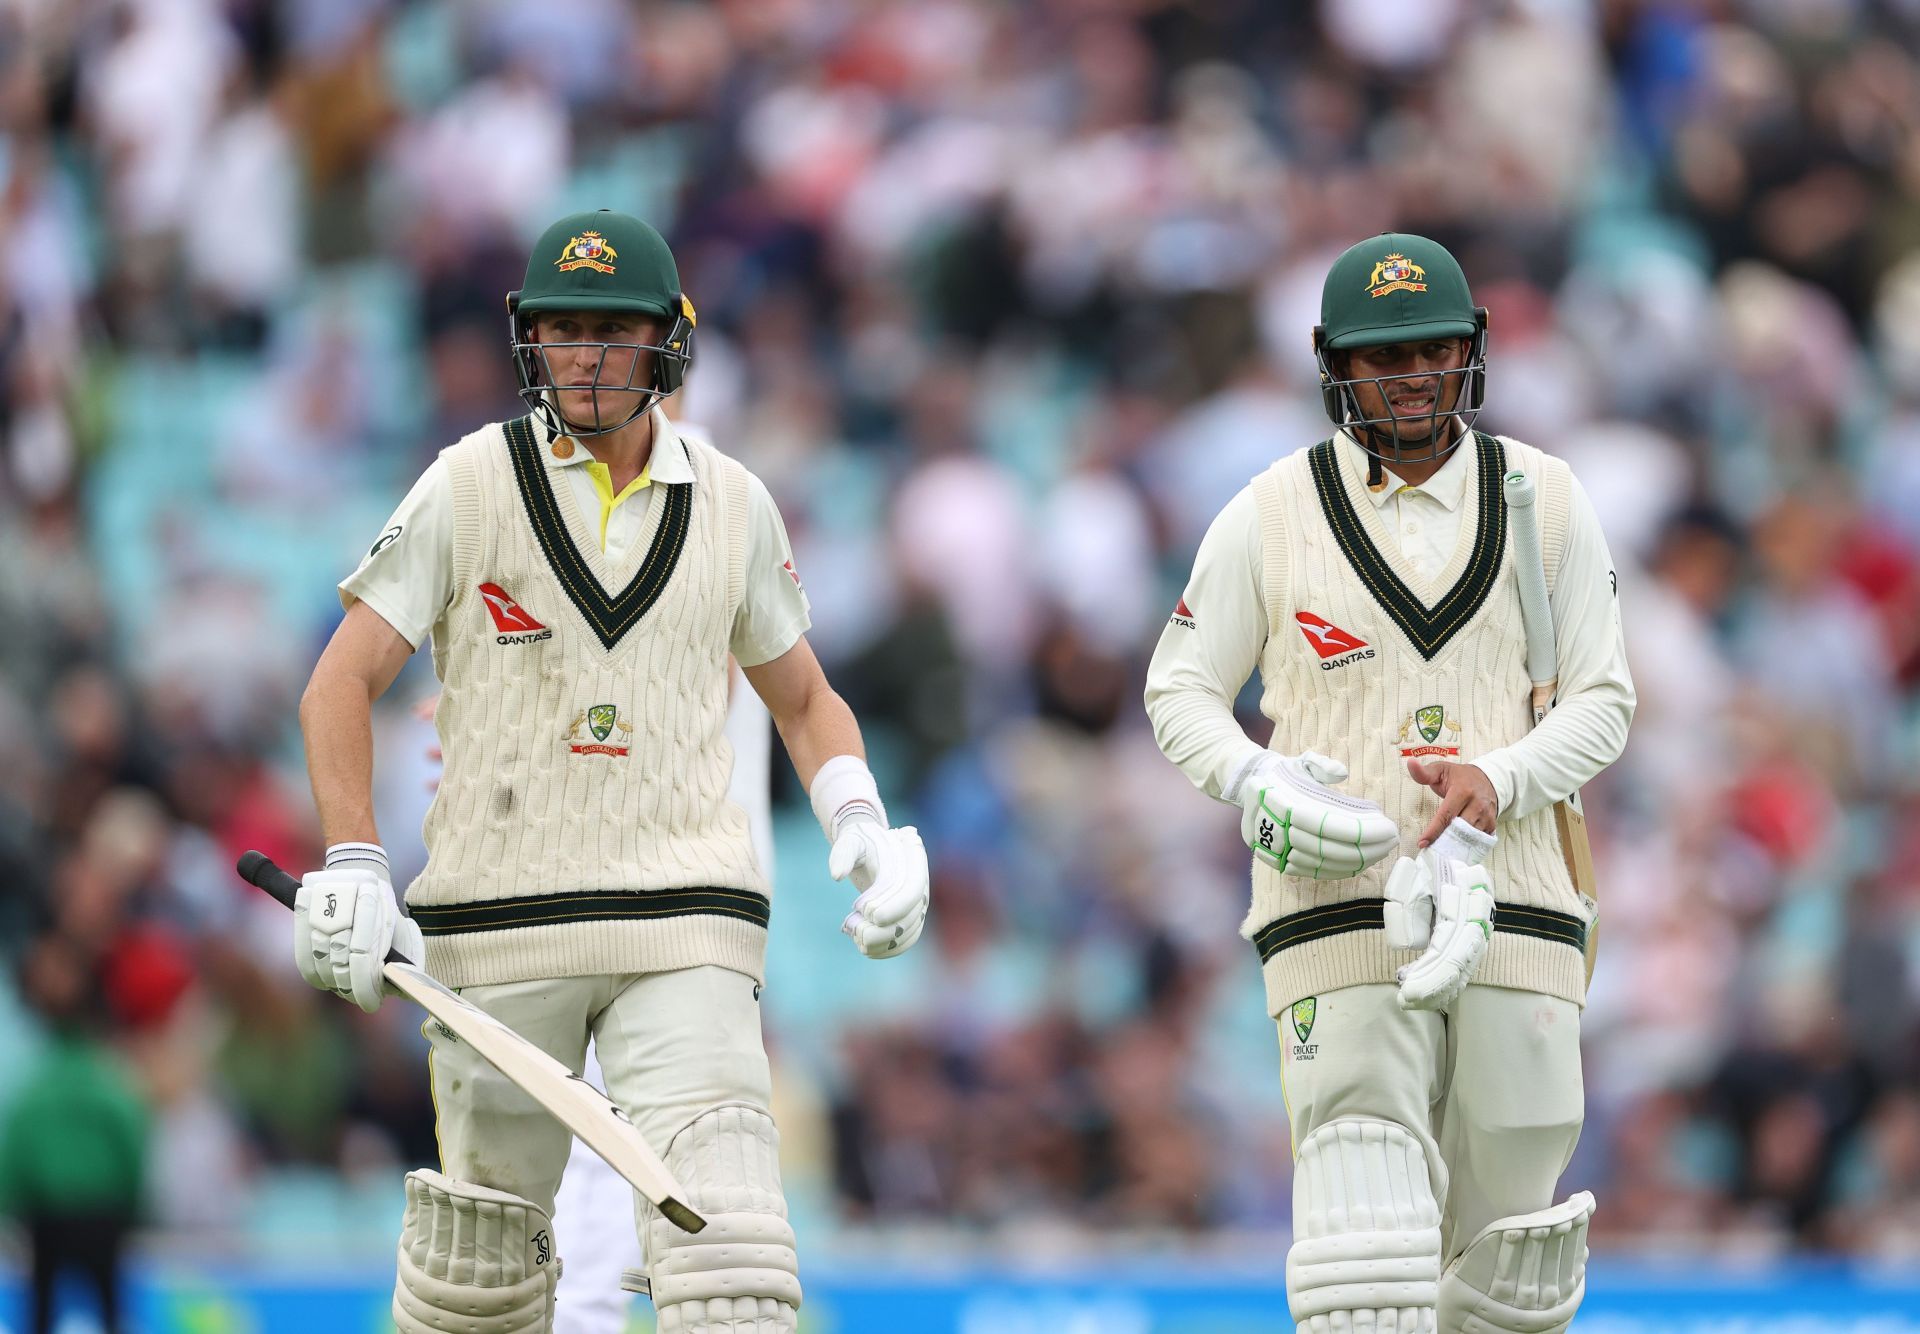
{"x": 557, "y": 423}
{"x": 1383, "y": 439}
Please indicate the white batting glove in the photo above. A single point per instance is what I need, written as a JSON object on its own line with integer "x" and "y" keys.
{"x": 1462, "y": 927}
{"x": 1409, "y": 906}
{"x": 1293, "y": 820}
{"x": 889, "y": 868}
{"x": 345, "y": 920}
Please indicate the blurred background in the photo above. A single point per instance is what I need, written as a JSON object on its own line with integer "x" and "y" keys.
{"x": 1003, "y": 301}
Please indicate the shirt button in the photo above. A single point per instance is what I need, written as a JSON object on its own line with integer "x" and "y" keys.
{"x": 1412, "y": 525}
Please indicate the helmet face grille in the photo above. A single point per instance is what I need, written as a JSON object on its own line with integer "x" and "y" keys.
{"x": 1457, "y": 398}
{"x": 655, "y": 371}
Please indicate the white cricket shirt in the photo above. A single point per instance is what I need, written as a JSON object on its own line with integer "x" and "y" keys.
{"x": 408, "y": 574}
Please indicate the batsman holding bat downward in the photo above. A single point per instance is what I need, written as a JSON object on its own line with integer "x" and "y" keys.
{"x": 1428, "y": 1002}
{"x": 584, "y": 572}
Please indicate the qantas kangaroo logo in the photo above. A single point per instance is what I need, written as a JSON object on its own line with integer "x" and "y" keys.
{"x": 1335, "y": 646}
{"x": 510, "y": 618}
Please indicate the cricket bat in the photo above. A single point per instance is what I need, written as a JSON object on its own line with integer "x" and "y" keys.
{"x": 1543, "y": 670}
{"x": 573, "y": 1102}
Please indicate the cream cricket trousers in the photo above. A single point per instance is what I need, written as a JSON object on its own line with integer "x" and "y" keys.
{"x": 671, "y": 1046}
{"x": 1492, "y": 1091}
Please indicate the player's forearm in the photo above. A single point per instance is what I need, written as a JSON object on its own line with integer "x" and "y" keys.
{"x": 819, "y": 729}
{"x": 1196, "y": 729}
{"x": 336, "y": 719}
{"x": 1210, "y": 646}
{"x": 1579, "y": 738}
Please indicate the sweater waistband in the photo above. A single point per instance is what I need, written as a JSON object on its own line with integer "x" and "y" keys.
{"x": 591, "y": 905}
{"x": 1335, "y": 919}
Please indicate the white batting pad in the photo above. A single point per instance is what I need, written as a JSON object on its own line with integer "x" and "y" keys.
{"x": 1366, "y": 1250}
{"x": 741, "y": 1275}
{"x": 473, "y": 1260}
{"x": 1522, "y": 1275}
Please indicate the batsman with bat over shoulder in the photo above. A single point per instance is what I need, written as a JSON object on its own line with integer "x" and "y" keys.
{"x": 584, "y": 573}
{"x": 1414, "y": 593}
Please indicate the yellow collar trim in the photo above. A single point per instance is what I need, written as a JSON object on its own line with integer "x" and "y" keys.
{"x": 603, "y": 487}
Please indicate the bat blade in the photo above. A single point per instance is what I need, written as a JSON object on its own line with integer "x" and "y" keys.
{"x": 571, "y": 1100}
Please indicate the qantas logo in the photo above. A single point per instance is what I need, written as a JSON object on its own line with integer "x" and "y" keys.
{"x": 792, "y": 573}
{"x": 510, "y": 618}
{"x": 1182, "y": 616}
{"x": 1335, "y": 646}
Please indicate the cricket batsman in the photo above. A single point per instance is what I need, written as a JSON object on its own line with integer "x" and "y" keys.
{"x": 584, "y": 573}
{"x": 1414, "y": 903}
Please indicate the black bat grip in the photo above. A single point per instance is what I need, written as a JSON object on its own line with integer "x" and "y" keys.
{"x": 258, "y": 870}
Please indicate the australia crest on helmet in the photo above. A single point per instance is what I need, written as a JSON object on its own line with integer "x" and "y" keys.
{"x": 1396, "y": 273}
{"x": 588, "y": 250}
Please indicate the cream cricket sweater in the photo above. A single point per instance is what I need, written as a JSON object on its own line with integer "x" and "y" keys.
{"x": 582, "y": 825}
{"x": 1444, "y": 674}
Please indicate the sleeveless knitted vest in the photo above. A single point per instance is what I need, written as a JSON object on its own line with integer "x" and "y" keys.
{"x": 582, "y": 825}
{"x": 1367, "y": 662}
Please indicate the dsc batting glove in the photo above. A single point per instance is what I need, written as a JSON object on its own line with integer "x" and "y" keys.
{"x": 1292, "y": 819}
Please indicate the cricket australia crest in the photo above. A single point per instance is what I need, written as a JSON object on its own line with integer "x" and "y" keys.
{"x": 602, "y": 722}
{"x": 1302, "y": 1015}
{"x": 1429, "y": 731}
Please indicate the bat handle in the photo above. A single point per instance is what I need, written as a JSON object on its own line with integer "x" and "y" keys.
{"x": 259, "y": 870}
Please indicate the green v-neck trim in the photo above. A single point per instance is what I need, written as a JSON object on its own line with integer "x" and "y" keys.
{"x": 610, "y": 616}
{"x": 1428, "y": 629}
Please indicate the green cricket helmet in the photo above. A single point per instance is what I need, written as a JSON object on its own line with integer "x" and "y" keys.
{"x": 599, "y": 262}
{"x": 1398, "y": 288}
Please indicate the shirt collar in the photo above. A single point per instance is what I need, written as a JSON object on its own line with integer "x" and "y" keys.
{"x": 668, "y": 462}
{"x": 1448, "y": 486}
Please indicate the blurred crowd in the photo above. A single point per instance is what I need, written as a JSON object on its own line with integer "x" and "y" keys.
{"x": 1004, "y": 301}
